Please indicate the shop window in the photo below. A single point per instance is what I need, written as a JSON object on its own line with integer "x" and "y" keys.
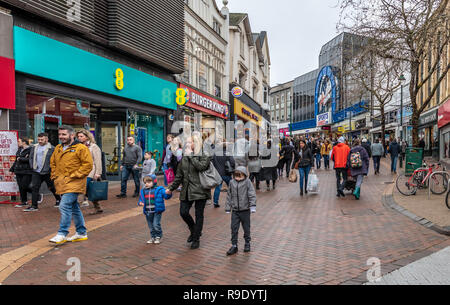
{"x": 446, "y": 138}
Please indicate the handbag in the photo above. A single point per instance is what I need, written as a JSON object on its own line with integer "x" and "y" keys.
{"x": 98, "y": 191}
{"x": 293, "y": 176}
{"x": 170, "y": 176}
{"x": 210, "y": 178}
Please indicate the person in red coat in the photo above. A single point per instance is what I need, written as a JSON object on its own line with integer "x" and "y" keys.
{"x": 340, "y": 158}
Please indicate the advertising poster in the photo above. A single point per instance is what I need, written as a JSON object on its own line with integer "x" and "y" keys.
{"x": 8, "y": 149}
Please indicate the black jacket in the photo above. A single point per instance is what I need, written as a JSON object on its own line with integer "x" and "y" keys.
{"x": 368, "y": 149}
{"x": 306, "y": 160}
{"x": 394, "y": 149}
{"x": 221, "y": 161}
{"x": 22, "y": 164}
{"x": 287, "y": 151}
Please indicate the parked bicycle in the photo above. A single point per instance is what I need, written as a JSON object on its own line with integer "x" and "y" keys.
{"x": 420, "y": 179}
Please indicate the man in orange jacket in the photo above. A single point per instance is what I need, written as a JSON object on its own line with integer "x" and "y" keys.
{"x": 340, "y": 157}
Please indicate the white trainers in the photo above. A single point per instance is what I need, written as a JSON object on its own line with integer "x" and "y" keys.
{"x": 157, "y": 240}
{"x": 41, "y": 199}
{"x": 85, "y": 204}
{"x": 77, "y": 237}
{"x": 58, "y": 239}
{"x": 151, "y": 241}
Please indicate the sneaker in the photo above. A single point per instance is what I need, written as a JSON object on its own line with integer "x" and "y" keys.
{"x": 247, "y": 248}
{"x": 58, "y": 239}
{"x": 216, "y": 206}
{"x": 31, "y": 209}
{"x": 85, "y": 204}
{"x": 22, "y": 205}
{"x": 41, "y": 198}
{"x": 121, "y": 196}
{"x": 77, "y": 237}
{"x": 151, "y": 241}
{"x": 233, "y": 250}
{"x": 157, "y": 240}
{"x": 57, "y": 203}
{"x": 208, "y": 202}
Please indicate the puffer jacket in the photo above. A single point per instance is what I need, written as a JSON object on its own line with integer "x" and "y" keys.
{"x": 188, "y": 176}
{"x": 364, "y": 169}
{"x": 241, "y": 195}
{"x": 22, "y": 164}
{"x": 70, "y": 168}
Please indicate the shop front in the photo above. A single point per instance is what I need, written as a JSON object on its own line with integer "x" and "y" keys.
{"x": 252, "y": 120}
{"x": 444, "y": 130}
{"x": 203, "y": 110}
{"x": 429, "y": 132}
{"x": 90, "y": 92}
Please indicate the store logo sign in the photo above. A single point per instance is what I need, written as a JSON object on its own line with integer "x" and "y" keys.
{"x": 249, "y": 114}
{"x": 237, "y": 92}
{"x": 324, "y": 119}
{"x": 119, "y": 79}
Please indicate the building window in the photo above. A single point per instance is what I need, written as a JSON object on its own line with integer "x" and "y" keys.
{"x": 242, "y": 44}
{"x": 202, "y": 77}
{"x": 217, "y": 27}
{"x": 218, "y": 85}
{"x": 186, "y": 76}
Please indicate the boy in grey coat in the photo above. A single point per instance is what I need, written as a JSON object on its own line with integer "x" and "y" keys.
{"x": 241, "y": 202}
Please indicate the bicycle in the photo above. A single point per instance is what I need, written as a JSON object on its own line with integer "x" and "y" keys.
{"x": 409, "y": 184}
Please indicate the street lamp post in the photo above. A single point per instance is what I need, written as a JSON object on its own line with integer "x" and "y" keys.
{"x": 401, "y": 79}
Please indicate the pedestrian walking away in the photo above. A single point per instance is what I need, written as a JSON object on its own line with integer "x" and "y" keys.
{"x": 22, "y": 169}
{"x": 268, "y": 165}
{"x": 132, "y": 156}
{"x": 225, "y": 165}
{"x": 339, "y": 156}
{"x": 303, "y": 161}
{"x": 377, "y": 153}
{"x": 287, "y": 151}
{"x": 152, "y": 199}
{"x": 394, "y": 151}
{"x": 192, "y": 191}
{"x": 358, "y": 162}
{"x": 317, "y": 154}
{"x": 85, "y": 137}
{"x": 241, "y": 202}
{"x": 167, "y": 154}
{"x": 71, "y": 163}
{"x": 40, "y": 156}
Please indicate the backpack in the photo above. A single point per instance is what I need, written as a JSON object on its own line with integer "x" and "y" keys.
{"x": 356, "y": 160}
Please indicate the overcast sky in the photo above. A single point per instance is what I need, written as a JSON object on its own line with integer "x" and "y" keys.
{"x": 297, "y": 29}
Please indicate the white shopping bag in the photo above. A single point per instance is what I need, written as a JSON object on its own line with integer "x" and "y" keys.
{"x": 313, "y": 183}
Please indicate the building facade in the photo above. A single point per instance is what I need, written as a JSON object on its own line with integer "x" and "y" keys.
{"x": 79, "y": 65}
{"x": 281, "y": 106}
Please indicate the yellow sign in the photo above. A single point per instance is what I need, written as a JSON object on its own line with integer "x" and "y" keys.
{"x": 119, "y": 79}
{"x": 246, "y": 113}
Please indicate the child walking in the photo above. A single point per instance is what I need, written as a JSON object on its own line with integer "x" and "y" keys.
{"x": 241, "y": 202}
{"x": 152, "y": 199}
{"x": 148, "y": 167}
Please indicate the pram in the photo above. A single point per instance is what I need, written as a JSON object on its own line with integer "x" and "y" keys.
{"x": 350, "y": 184}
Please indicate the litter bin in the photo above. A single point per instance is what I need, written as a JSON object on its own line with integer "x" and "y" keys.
{"x": 414, "y": 157}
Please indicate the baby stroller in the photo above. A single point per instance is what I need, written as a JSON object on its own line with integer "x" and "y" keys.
{"x": 350, "y": 184}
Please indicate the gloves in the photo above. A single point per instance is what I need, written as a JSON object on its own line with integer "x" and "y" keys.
{"x": 253, "y": 209}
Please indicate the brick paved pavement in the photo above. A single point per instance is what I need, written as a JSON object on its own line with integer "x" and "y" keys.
{"x": 318, "y": 239}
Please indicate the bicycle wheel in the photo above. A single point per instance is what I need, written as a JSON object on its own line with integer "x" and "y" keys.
{"x": 447, "y": 200}
{"x": 439, "y": 183}
{"x": 404, "y": 186}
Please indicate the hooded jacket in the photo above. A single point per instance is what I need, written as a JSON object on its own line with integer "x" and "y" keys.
{"x": 159, "y": 194}
{"x": 70, "y": 168}
{"x": 241, "y": 195}
{"x": 22, "y": 164}
{"x": 340, "y": 155}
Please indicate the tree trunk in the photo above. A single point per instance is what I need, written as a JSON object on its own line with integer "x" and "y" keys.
{"x": 413, "y": 92}
{"x": 383, "y": 127}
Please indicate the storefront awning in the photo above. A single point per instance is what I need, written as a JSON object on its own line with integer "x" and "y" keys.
{"x": 444, "y": 115}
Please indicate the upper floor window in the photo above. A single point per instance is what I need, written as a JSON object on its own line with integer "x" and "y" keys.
{"x": 217, "y": 27}
{"x": 242, "y": 44}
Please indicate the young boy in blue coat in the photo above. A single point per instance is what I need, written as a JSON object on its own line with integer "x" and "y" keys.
{"x": 152, "y": 199}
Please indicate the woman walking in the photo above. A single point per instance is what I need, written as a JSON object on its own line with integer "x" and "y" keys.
{"x": 317, "y": 154}
{"x": 192, "y": 191}
{"x": 269, "y": 171}
{"x": 358, "y": 163}
{"x": 23, "y": 171}
{"x": 303, "y": 162}
{"x": 85, "y": 137}
{"x": 325, "y": 151}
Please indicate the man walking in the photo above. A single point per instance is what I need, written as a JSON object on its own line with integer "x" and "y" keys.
{"x": 132, "y": 156}
{"x": 70, "y": 164}
{"x": 394, "y": 151}
{"x": 40, "y": 156}
{"x": 377, "y": 153}
{"x": 340, "y": 157}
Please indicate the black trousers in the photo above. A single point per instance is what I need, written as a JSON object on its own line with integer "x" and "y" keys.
{"x": 341, "y": 174}
{"x": 196, "y": 226}
{"x": 24, "y": 181}
{"x": 255, "y": 176}
{"x": 238, "y": 218}
{"x": 288, "y": 163}
{"x": 36, "y": 182}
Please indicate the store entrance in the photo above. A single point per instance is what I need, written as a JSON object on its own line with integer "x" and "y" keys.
{"x": 111, "y": 146}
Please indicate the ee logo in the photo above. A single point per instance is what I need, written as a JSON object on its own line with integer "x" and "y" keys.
{"x": 182, "y": 96}
{"x": 119, "y": 79}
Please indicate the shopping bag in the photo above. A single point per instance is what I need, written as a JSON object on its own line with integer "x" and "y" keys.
{"x": 170, "y": 176}
{"x": 210, "y": 178}
{"x": 313, "y": 183}
{"x": 293, "y": 176}
{"x": 98, "y": 191}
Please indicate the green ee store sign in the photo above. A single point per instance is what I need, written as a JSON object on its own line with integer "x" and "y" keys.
{"x": 45, "y": 57}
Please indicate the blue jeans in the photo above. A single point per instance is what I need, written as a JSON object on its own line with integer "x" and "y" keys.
{"x": 165, "y": 167}
{"x": 394, "y": 163}
{"x": 376, "y": 163}
{"x": 127, "y": 170}
{"x": 304, "y": 173}
{"x": 154, "y": 224}
{"x": 227, "y": 180}
{"x": 318, "y": 161}
{"x": 69, "y": 207}
{"x": 326, "y": 160}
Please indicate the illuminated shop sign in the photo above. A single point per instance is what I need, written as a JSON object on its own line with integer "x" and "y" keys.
{"x": 204, "y": 103}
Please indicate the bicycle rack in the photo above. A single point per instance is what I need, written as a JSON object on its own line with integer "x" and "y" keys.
{"x": 430, "y": 181}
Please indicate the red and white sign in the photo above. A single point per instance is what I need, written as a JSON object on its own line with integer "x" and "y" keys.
{"x": 444, "y": 114}
{"x": 206, "y": 104}
{"x": 7, "y": 84}
{"x": 8, "y": 150}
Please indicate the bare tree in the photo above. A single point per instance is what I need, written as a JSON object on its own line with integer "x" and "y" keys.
{"x": 415, "y": 32}
{"x": 371, "y": 77}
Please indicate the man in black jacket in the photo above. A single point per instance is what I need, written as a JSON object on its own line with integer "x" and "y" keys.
{"x": 40, "y": 156}
{"x": 225, "y": 165}
{"x": 366, "y": 146}
{"x": 394, "y": 150}
{"x": 287, "y": 151}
